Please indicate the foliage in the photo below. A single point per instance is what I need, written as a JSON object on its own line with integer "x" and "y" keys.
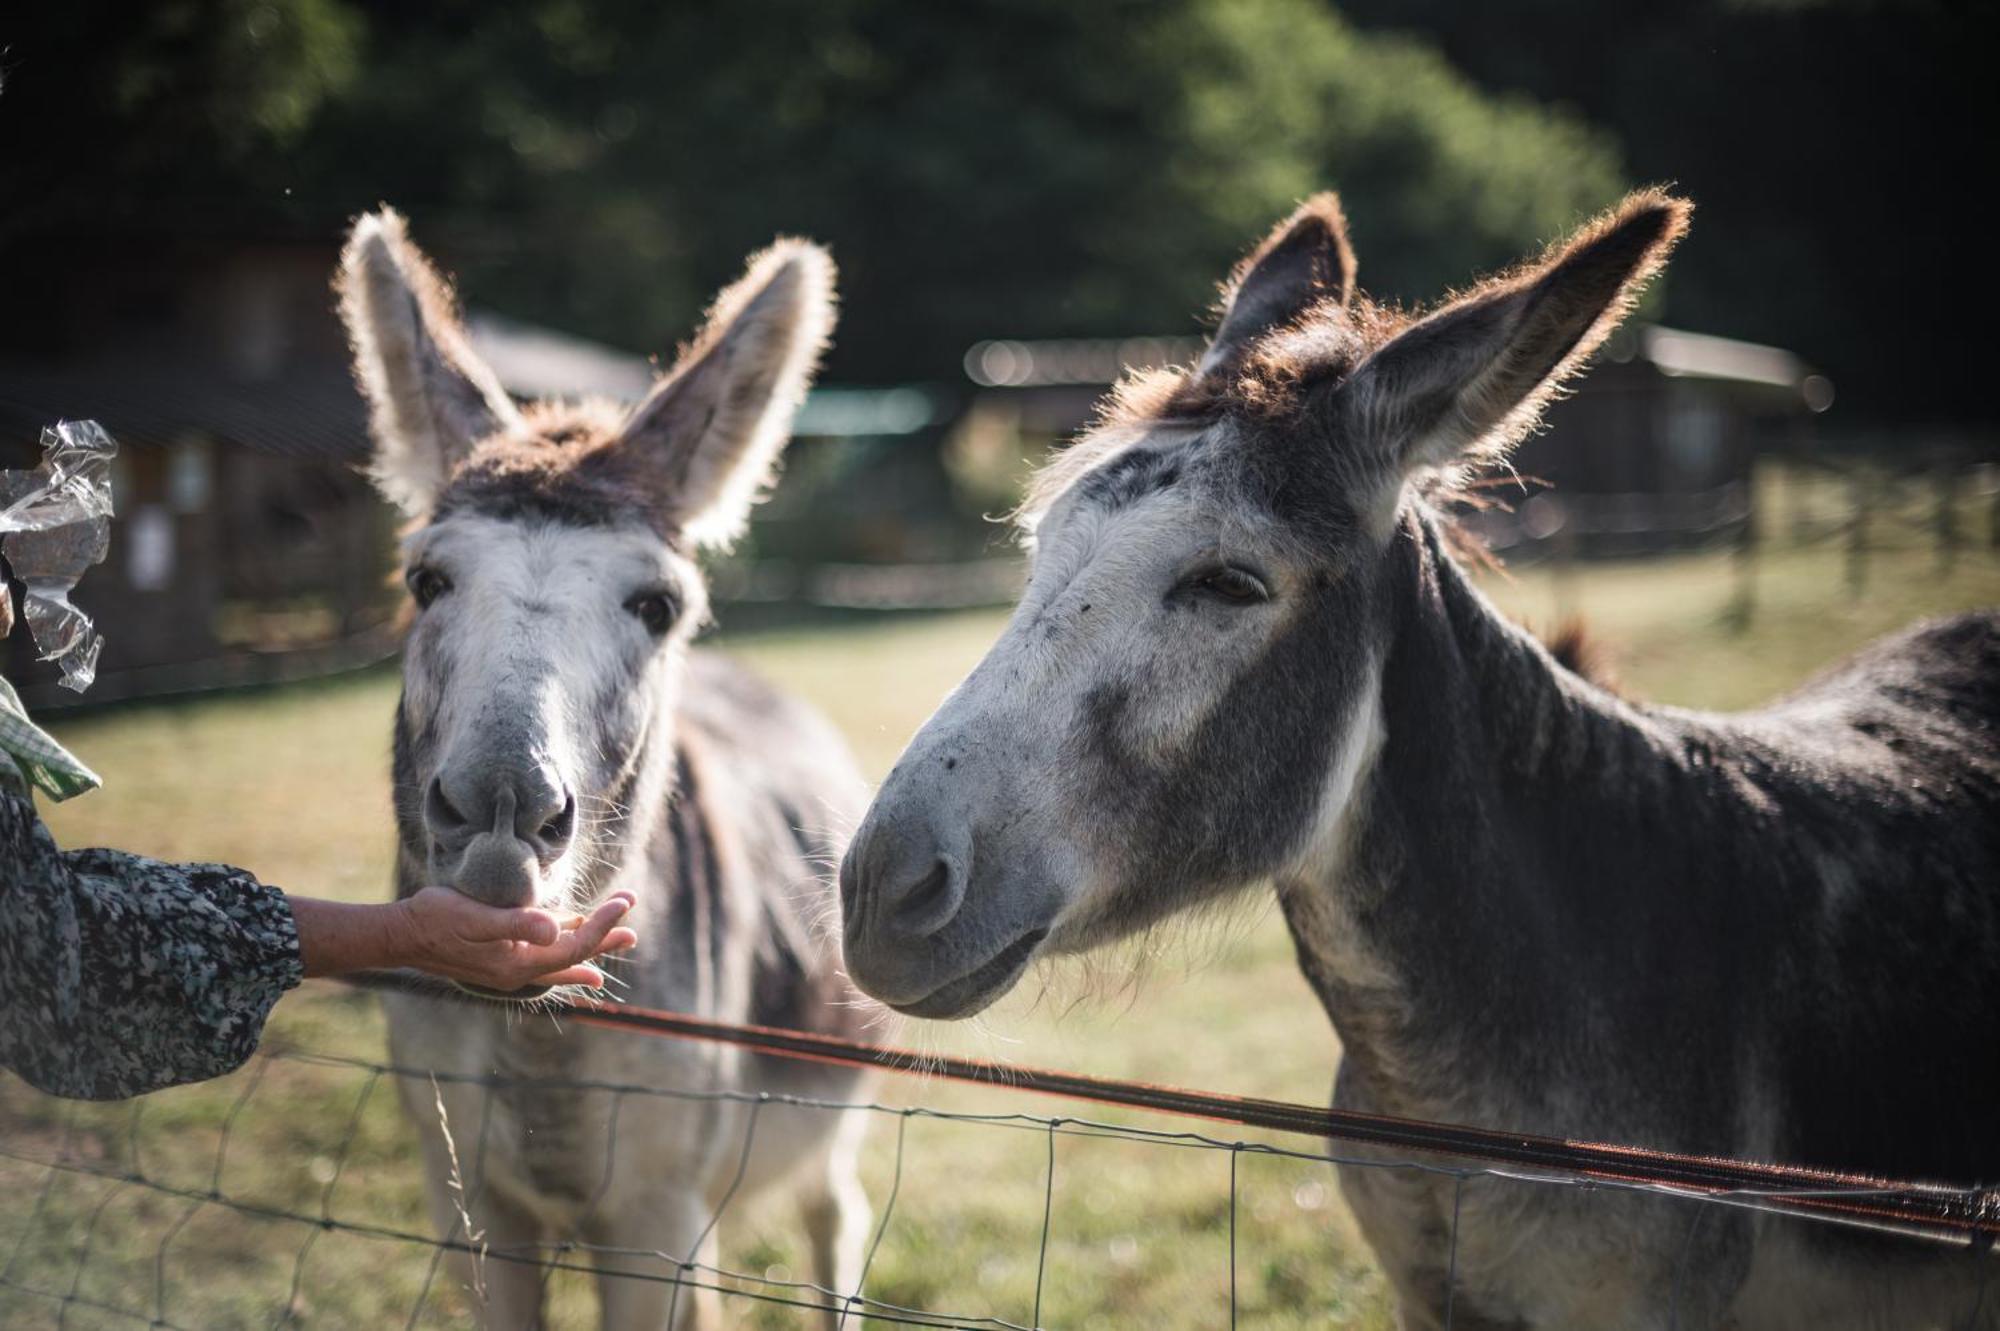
{"x": 104, "y": 115}
{"x": 1019, "y": 169}
{"x": 1830, "y": 146}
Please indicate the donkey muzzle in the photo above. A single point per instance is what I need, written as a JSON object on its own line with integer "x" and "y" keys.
{"x": 494, "y": 832}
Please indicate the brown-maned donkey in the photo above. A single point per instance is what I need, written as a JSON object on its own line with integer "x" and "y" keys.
{"x": 1246, "y": 657}
{"x": 558, "y": 739}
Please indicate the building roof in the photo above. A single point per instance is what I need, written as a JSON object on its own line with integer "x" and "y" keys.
{"x": 532, "y": 361}
{"x": 313, "y": 410}
{"x": 540, "y": 362}
{"x": 1066, "y": 362}
{"x": 1677, "y": 354}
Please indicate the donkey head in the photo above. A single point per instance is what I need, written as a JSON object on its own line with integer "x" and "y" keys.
{"x": 550, "y": 560}
{"x": 1187, "y": 696}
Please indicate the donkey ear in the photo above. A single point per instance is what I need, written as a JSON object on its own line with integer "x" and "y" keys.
{"x": 429, "y": 398}
{"x": 1304, "y": 262}
{"x": 1475, "y": 375}
{"x": 714, "y": 425}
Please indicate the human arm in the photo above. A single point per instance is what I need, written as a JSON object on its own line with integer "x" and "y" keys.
{"x": 449, "y": 934}
{"x": 121, "y": 974}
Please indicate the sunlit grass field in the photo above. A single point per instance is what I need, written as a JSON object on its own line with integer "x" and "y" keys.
{"x": 292, "y": 784}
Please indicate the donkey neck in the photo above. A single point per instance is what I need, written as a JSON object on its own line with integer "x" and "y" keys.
{"x": 639, "y": 847}
{"x": 1434, "y": 921}
{"x": 1457, "y": 662}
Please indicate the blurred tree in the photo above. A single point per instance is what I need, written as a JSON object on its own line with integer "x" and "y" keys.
{"x": 111, "y": 117}
{"x": 1039, "y": 168}
{"x": 1831, "y": 146}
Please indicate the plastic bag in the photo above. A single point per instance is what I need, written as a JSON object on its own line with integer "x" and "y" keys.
{"x": 55, "y": 522}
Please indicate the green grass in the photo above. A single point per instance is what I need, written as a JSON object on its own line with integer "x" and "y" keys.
{"x": 292, "y": 784}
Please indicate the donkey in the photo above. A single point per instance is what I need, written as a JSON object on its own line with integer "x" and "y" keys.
{"x": 1247, "y": 654}
{"x": 557, "y": 740}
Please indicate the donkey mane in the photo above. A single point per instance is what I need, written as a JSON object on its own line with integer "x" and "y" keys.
{"x": 563, "y": 465}
{"x": 1575, "y": 646}
{"x": 1271, "y": 379}
{"x": 448, "y": 434}
{"x": 1269, "y": 385}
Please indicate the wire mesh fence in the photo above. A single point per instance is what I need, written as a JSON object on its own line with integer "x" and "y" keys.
{"x": 216, "y": 1211}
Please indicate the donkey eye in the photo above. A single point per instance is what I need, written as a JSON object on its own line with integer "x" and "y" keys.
{"x": 426, "y": 585}
{"x": 656, "y": 610}
{"x": 1238, "y": 586}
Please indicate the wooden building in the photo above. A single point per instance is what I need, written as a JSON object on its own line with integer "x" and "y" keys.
{"x": 1653, "y": 451}
{"x": 247, "y": 545}
{"x": 1656, "y": 448}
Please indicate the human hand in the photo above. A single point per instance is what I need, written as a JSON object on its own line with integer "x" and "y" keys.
{"x": 449, "y": 934}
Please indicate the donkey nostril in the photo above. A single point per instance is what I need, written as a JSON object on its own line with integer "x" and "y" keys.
{"x": 558, "y": 830}
{"x": 929, "y": 903}
{"x": 438, "y": 809}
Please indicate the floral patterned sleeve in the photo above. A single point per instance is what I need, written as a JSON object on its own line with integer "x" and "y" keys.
{"x": 120, "y": 974}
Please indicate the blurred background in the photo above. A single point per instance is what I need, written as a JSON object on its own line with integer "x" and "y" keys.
{"x": 1791, "y": 449}
{"x": 1023, "y": 198}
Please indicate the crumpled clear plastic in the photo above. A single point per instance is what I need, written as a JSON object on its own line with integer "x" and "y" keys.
{"x": 55, "y": 522}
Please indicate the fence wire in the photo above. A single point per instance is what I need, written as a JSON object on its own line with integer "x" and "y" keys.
{"x": 145, "y": 1168}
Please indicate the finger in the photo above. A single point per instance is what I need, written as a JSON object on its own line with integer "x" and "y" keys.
{"x": 575, "y": 919}
{"x": 452, "y": 912}
{"x": 588, "y": 976}
{"x": 619, "y": 903}
{"x": 494, "y": 924}
{"x": 535, "y": 921}
{"x": 589, "y": 938}
{"x": 620, "y": 940}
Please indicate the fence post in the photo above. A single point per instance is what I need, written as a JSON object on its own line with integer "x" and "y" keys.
{"x": 1944, "y": 518}
{"x": 1563, "y": 574}
{"x": 1797, "y": 478}
{"x": 1743, "y": 607}
{"x": 1795, "y": 475}
{"x": 1858, "y": 501}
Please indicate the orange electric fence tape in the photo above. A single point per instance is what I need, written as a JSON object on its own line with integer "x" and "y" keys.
{"x": 1969, "y": 1214}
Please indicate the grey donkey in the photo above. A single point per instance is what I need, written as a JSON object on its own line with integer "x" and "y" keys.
{"x": 558, "y": 739}
{"x": 1247, "y": 657}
